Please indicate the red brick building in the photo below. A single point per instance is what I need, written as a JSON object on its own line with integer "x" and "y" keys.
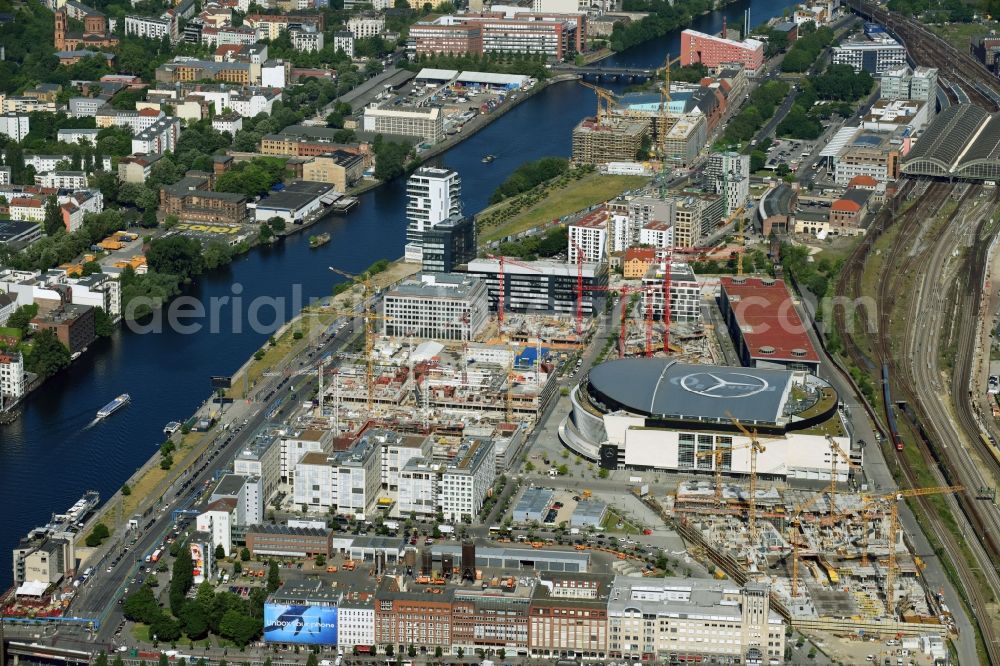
{"x": 713, "y": 51}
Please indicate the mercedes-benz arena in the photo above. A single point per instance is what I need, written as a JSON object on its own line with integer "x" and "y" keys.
{"x": 655, "y": 413}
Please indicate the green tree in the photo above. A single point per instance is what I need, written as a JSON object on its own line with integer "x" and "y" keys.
{"x": 276, "y": 223}
{"x": 181, "y": 580}
{"x": 603, "y": 473}
{"x": 273, "y": 577}
{"x": 126, "y": 489}
{"x": 237, "y": 568}
{"x": 53, "y": 217}
{"x": 195, "y": 621}
{"x": 141, "y": 606}
{"x": 22, "y": 317}
{"x": 220, "y": 553}
{"x": 103, "y": 325}
{"x": 311, "y": 660}
{"x": 102, "y": 659}
{"x": 320, "y": 560}
{"x": 175, "y": 255}
{"x": 245, "y": 554}
{"x": 47, "y": 355}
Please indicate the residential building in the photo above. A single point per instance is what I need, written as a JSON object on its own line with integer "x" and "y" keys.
{"x": 8, "y": 304}
{"x": 685, "y": 292}
{"x": 137, "y": 121}
{"x": 657, "y": 235}
{"x": 729, "y": 174}
{"x": 425, "y": 123}
{"x": 695, "y": 217}
{"x": 615, "y": 140}
{"x": 437, "y": 305}
{"x": 557, "y": 36}
{"x": 183, "y": 69}
{"x": 588, "y": 235}
{"x": 260, "y": 458}
{"x": 713, "y": 51}
{"x": 637, "y": 262}
{"x": 14, "y": 125}
{"x": 27, "y": 209}
{"x": 659, "y": 619}
{"x": 247, "y": 491}
{"x": 78, "y": 135}
{"x": 540, "y": 287}
{"x": 62, "y": 180}
{"x": 136, "y": 168}
{"x": 343, "y": 40}
{"x": 153, "y": 28}
{"x": 356, "y": 619}
{"x": 81, "y": 107}
{"x": 4, "y": 175}
{"x": 79, "y": 204}
{"x": 365, "y": 26}
{"x": 11, "y": 368}
{"x": 191, "y": 199}
{"x": 433, "y": 195}
{"x": 306, "y": 40}
{"x": 295, "y": 445}
{"x": 228, "y": 122}
{"x": 449, "y": 244}
{"x": 873, "y": 55}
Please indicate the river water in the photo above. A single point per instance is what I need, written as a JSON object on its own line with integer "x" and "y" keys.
{"x": 54, "y": 452}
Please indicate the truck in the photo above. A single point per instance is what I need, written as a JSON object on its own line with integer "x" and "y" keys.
{"x": 155, "y": 557}
{"x": 446, "y": 529}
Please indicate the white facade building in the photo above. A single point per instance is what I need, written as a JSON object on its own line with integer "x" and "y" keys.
{"x": 685, "y": 293}
{"x": 419, "y": 487}
{"x": 11, "y": 377}
{"x": 439, "y": 305}
{"x": 309, "y": 41}
{"x": 14, "y": 125}
{"x": 343, "y": 40}
{"x": 657, "y": 234}
{"x": 152, "y": 28}
{"x": 467, "y": 479}
{"x": 875, "y": 56}
{"x": 729, "y": 173}
{"x": 366, "y": 26}
{"x": 432, "y": 196}
{"x": 426, "y": 123}
{"x": 355, "y": 621}
{"x": 62, "y": 180}
{"x": 158, "y": 138}
{"x": 589, "y": 235}
{"x": 217, "y": 520}
{"x": 74, "y": 136}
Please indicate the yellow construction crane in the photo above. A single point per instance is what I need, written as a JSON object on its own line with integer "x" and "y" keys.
{"x": 603, "y": 95}
{"x": 793, "y": 539}
{"x": 835, "y": 453}
{"x": 755, "y": 447}
{"x": 664, "y": 111}
{"x": 717, "y": 455}
{"x": 892, "y": 499}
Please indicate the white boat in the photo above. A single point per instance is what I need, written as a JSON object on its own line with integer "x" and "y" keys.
{"x": 113, "y": 406}
{"x": 171, "y": 428}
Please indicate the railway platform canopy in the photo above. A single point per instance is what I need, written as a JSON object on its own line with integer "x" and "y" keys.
{"x": 962, "y": 142}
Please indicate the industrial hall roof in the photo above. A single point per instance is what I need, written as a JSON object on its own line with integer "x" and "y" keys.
{"x": 962, "y": 141}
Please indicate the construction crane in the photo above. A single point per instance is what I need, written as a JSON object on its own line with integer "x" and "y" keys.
{"x": 892, "y": 499}
{"x": 503, "y": 288}
{"x": 835, "y": 453}
{"x": 623, "y": 291}
{"x": 755, "y": 447}
{"x": 370, "y": 317}
{"x": 667, "y": 313}
{"x": 581, "y": 256}
{"x": 793, "y": 539}
{"x": 718, "y": 455}
{"x": 603, "y": 95}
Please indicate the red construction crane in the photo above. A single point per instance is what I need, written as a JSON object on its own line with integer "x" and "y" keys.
{"x": 503, "y": 280}
{"x": 666, "y": 300}
{"x": 624, "y": 292}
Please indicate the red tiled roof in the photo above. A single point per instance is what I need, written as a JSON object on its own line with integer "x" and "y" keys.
{"x": 845, "y": 206}
{"x": 595, "y": 218}
{"x": 767, "y": 319}
{"x": 149, "y": 112}
{"x": 862, "y": 181}
{"x": 33, "y": 203}
{"x": 640, "y": 253}
{"x": 658, "y": 225}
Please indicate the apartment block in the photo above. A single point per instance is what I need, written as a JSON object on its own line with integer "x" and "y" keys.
{"x": 588, "y": 237}
{"x": 685, "y": 292}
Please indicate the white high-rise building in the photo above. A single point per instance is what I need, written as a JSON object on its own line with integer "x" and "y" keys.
{"x": 729, "y": 173}
{"x": 432, "y": 196}
{"x": 589, "y": 235}
{"x": 467, "y": 479}
{"x": 14, "y": 125}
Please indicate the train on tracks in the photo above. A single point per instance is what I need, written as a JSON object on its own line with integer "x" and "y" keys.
{"x": 890, "y": 414}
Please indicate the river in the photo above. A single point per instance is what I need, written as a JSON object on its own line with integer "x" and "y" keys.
{"x": 54, "y": 452}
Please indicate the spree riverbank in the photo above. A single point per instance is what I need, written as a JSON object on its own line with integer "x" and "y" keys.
{"x": 50, "y": 455}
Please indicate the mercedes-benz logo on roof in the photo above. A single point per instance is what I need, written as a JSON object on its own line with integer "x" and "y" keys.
{"x": 732, "y": 385}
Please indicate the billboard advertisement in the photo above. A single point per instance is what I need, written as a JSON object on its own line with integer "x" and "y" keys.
{"x": 307, "y": 624}
{"x": 198, "y": 559}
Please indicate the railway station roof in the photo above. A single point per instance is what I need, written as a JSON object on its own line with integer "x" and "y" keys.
{"x": 962, "y": 141}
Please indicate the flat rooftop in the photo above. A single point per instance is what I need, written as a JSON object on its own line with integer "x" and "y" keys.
{"x": 767, "y": 319}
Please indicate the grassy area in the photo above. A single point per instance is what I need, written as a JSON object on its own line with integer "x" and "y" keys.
{"x": 959, "y": 34}
{"x": 576, "y": 195}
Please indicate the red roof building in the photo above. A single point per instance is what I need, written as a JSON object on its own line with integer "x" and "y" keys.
{"x": 765, "y": 325}
{"x": 863, "y": 181}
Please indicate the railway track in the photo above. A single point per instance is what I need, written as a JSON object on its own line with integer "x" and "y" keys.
{"x": 925, "y": 48}
{"x": 910, "y": 368}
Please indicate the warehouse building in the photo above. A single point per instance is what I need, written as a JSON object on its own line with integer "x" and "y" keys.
{"x": 298, "y": 202}
{"x": 424, "y": 123}
{"x": 764, "y": 324}
{"x": 519, "y": 559}
{"x": 655, "y": 413}
{"x": 533, "y": 505}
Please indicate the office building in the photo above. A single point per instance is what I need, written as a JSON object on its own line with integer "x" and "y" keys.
{"x": 685, "y": 293}
{"x": 286, "y": 541}
{"x": 73, "y": 325}
{"x": 670, "y": 619}
{"x": 425, "y": 123}
{"x": 569, "y": 616}
{"x": 467, "y": 479}
{"x": 449, "y": 244}
{"x": 217, "y": 520}
{"x": 442, "y": 37}
{"x": 365, "y": 26}
{"x": 713, "y": 51}
{"x": 918, "y": 84}
{"x": 874, "y": 55}
{"x": 437, "y": 305}
{"x": 541, "y": 287}
{"x": 248, "y": 493}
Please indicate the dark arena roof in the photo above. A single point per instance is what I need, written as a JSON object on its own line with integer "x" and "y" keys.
{"x": 963, "y": 141}
{"x": 662, "y": 388}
